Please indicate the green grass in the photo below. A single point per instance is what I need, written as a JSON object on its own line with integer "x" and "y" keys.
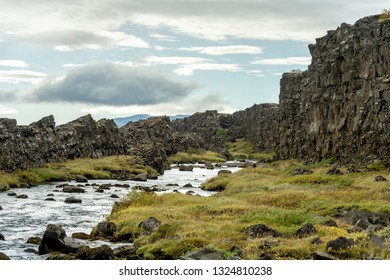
{"x": 244, "y": 149}
{"x": 267, "y": 195}
{"x": 196, "y": 156}
{"x": 102, "y": 168}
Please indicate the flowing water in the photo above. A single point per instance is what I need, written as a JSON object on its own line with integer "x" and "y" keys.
{"x": 21, "y": 218}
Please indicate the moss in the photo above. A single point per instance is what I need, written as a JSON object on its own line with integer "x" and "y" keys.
{"x": 196, "y": 156}
{"x": 376, "y": 166}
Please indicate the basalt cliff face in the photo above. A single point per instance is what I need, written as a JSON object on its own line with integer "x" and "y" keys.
{"x": 339, "y": 107}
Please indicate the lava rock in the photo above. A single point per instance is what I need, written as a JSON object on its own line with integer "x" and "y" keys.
{"x": 12, "y": 194}
{"x": 34, "y": 240}
{"x": 54, "y": 239}
{"x": 186, "y": 168}
{"x": 188, "y": 186}
{"x": 261, "y": 230}
{"x": 114, "y": 196}
{"x": 80, "y": 235}
{"x": 306, "y": 230}
{"x": 2, "y": 237}
{"x": 205, "y": 254}
{"x": 341, "y": 243}
{"x": 81, "y": 179}
{"x": 103, "y": 252}
{"x": 149, "y": 225}
{"x": 73, "y": 199}
{"x": 23, "y": 196}
{"x": 4, "y": 257}
{"x": 319, "y": 255}
{"x": 104, "y": 229}
{"x": 141, "y": 177}
{"x": 73, "y": 189}
{"x": 50, "y": 199}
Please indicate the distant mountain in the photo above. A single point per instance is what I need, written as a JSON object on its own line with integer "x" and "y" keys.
{"x": 123, "y": 121}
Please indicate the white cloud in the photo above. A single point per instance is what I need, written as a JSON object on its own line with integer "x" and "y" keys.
{"x": 162, "y": 37}
{"x": 223, "y": 50}
{"x": 283, "y": 61}
{"x": 7, "y": 111}
{"x": 14, "y": 63}
{"x": 63, "y": 49}
{"x": 18, "y": 76}
{"x": 174, "y": 60}
{"x": 188, "y": 70}
{"x": 71, "y": 65}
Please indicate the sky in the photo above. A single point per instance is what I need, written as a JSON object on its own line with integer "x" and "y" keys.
{"x": 116, "y": 58}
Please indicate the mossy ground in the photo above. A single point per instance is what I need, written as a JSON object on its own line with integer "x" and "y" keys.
{"x": 267, "y": 194}
{"x": 194, "y": 156}
{"x": 244, "y": 149}
{"x": 102, "y": 168}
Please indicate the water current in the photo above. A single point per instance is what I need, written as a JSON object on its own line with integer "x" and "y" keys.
{"x": 22, "y": 218}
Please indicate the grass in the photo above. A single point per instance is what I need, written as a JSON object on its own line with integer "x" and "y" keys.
{"x": 266, "y": 194}
{"x": 103, "y": 168}
{"x": 244, "y": 149}
{"x": 196, "y": 156}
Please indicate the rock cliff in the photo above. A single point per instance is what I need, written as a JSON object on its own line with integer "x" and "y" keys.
{"x": 339, "y": 107}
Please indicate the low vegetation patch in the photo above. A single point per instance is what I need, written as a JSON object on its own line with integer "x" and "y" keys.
{"x": 244, "y": 149}
{"x": 269, "y": 195}
{"x": 194, "y": 156}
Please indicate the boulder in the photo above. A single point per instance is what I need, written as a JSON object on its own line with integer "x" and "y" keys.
{"x": 187, "y": 186}
{"x": 12, "y": 194}
{"x": 80, "y": 235}
{"x": 1, "y": 208}
{"x": 261, "y": 230}
{"x": 73, "y": 199}
{"x": 2, "y": 237}
{"x": 380, "y": 178}
{"x": 73, "y": 189}
{"x": 141, "y": 177}
{"x": 104, "y": 229}
{"x": 224, "y": 172}
{"x": 4, "y": 257}
{"x": 341, "y": 243}
{"x": 50, "y": 199}
{"x": 81, "y": 179}
{"x": 319, "y": 255}
{"x": 23, "y": 196}
{"x": 114, "y": 196}
{"x": 330, "y": 223}
{"x": 126, "y": 252}
{"x": 34, "y": 240}
{"x": 205, "y": 254}
{"x": 186, "y": 168}
{"x": 103, "y": 252}
{"x": 306, "y": 230}
{"x": 54, "y": 239}
{"x": 149, "y": 225}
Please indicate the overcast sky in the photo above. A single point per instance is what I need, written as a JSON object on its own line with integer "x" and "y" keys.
{"x": 115, "y": 58}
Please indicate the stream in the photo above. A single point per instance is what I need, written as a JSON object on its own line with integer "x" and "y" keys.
{"x": 22, "y": 218}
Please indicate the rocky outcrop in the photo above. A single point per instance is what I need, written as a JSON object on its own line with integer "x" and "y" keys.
{"x": 339, "y": 107}
{"x": 259, "y": 124}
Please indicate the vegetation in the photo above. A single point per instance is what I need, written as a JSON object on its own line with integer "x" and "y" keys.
{"x": 193, "y": 156}
{"x": 267, "y": 195}
{"x": 244, "y": 149}
{"x": 103, "y": 168}
{"x": 385, "y": 14}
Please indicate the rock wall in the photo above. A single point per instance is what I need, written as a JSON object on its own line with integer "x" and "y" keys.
{"x": 339, "y": 107}
{"x": 258, "y": 124}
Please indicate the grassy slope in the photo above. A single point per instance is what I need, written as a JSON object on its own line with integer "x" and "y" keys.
{"x": 102, "y": 168}
{"x": 268, "y": 195}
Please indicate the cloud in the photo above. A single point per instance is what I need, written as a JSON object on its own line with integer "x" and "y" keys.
{"x": 14, "y": 63}
{"x": 223, "y": 50}
{"x": 7, "y": 111}
{"x": 71, "y": 65}
{"x": 110, "y": 84}
{"x": 19, "y": 76}
{"x": 174, "y": 60}
{"x": 162, "y": 37}
{"x": 70, "y": 40}
{"x": 284, "y": 61}
{"x": 188, "y": 70}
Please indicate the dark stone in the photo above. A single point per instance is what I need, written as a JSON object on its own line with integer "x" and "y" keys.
{"x": 341, "y": 243}
{"x": 380, "y": 178}
{"x": 261, "y": 230}
{"x": 379, "y": 241}
{"x": 141, "y": 177}
{"x": 4, "y": 257}
{"x": 56, "y": 256}
{"x": 73, "y": 189}
{"x": 186, "y": 168}
{"x": 54, "y": 239}
{"x": 114, "y": 196}
{"x": 50, "y": 194}
{"x": 73, "y": 199}
{"x": 23, "y": 196}
{"x": 80, "y": 235}
{"x": 267, "y": 256}
{"x": 334, "y": 171}
{"x": 149, "y": 225}
{"x": 224, "y": 172}
{"x": 205, "y": 254}
{"x": 306, "y": 230}
{"x": 126, "y": 253}
{"x": 50, "y": 199}
{"x": 187, "y": 186}
{"x": 1, "y": 208}
{"x": 81, "y": 179}
{"x": 12, "y": 194}
{"x": 318, "y": 255}
{"x": 103, "y": 252}
{"x": 301, "y": 171}
{"x": 34, "y": 240}
{"x": 100, "y": 190}
{"x": 105, "y": 229}
{"x": 31, "y": 250}
{"x": 330, "y": 223}
{"x": 2, "y": 237}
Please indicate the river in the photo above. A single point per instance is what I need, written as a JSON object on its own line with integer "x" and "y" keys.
{"x": 22, "y": 218}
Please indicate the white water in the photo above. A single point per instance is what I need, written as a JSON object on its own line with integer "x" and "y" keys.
{"x": 21, "y": 219}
